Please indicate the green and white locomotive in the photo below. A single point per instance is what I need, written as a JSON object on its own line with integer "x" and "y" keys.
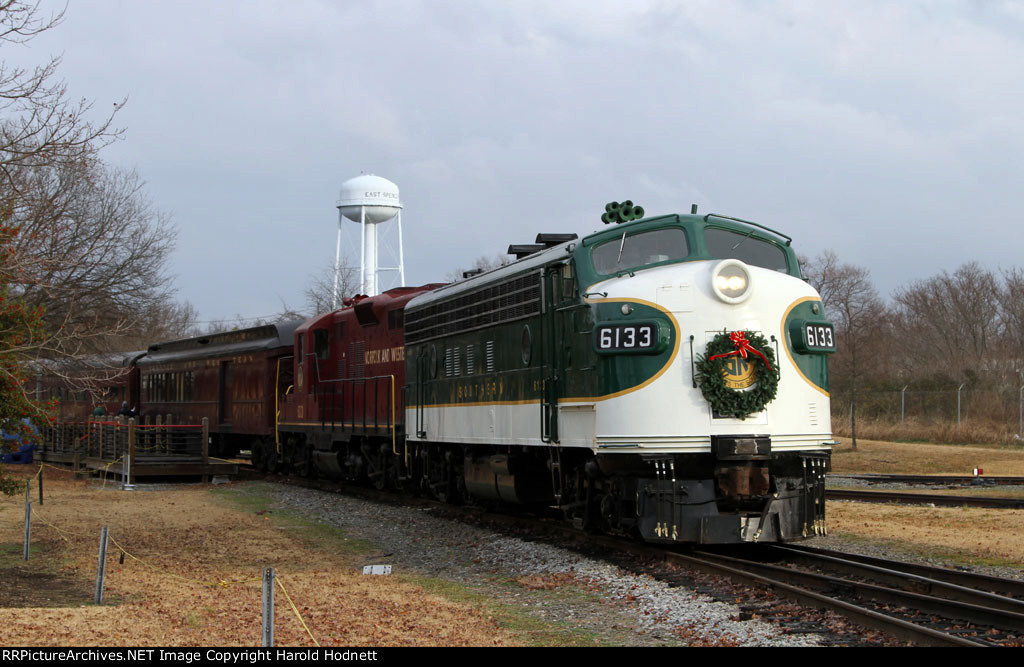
{"x": 663, "y": 377}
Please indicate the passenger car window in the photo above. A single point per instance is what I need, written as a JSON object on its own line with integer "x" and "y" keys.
{"x": 638, "y": 250}
{"x": 726, "y": 244}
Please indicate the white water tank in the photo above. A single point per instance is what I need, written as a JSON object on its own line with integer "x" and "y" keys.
{"x": 369, "y": 195}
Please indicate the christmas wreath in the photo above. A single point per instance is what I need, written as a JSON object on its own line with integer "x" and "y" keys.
{"x": 712, "y": 370}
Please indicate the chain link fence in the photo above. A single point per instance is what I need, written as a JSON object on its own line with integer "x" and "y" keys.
{"x": 996, "y": 415}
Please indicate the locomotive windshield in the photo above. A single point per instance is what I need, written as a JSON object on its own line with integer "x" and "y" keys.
{"x": 631, "y": 251}
{"x": 726, "y": 244}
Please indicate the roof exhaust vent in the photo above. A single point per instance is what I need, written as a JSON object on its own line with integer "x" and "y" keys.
{"x": 551, "y": 240}
{"x": 525, "y": 249}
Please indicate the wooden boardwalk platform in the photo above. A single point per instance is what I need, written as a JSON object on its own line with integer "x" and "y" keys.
{"x": 127, "y": 450}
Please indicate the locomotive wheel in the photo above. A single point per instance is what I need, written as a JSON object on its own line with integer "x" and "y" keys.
{"x": 394, "y": 472}
{"x": 451, "y": 488}
{"x": 308, "y": 467}
{"x": 441, "y": 491}
{"x": 376, "y": 465}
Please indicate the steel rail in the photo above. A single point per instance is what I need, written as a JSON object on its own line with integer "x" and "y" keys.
{"x": 866, "y": 617}
{"x": 898, "y": 576}
{"x": 943, "y": 500}
{"x": 929, "y": 479}
{"x": 984, "y": 582}
{"x": 946, "y": 608}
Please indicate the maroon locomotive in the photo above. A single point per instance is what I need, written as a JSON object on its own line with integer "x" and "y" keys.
{"x": 345, "y": 411}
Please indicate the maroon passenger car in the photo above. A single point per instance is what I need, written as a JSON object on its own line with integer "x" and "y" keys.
{"x": 78, "y": 386}
{"x": 233, "y": 379}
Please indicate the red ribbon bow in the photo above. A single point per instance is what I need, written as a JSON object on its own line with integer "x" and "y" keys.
{"x": 739, "y": 340}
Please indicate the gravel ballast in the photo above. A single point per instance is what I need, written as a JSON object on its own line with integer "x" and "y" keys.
{"x": 595, "y": 598}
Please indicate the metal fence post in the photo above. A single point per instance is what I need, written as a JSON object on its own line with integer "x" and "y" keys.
{"x": 102, "y": 567}
{"x": 161, "y": 442}
{"x": 1020, "y": 408}
{"x": 903, "y": 405}
{"x": 268, "y": 606}
{"x": 28, "y": 518}
{"x": 958, "y": 406}
{"x": 126, "y": 473}
{"x": 205, "y": 447}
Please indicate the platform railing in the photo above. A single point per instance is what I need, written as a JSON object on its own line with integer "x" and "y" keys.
{"x": 112, "y": 439}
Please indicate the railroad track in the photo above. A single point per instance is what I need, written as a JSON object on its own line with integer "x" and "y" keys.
{"x": 939, "y": 480}
{"x": 924, "y": 605}
{"x": 943, "y": 500}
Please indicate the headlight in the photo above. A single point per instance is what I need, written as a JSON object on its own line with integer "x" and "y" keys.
{"x": 730, "y": 281}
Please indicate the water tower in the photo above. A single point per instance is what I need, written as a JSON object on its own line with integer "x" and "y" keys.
{"x": 370, "y": 200}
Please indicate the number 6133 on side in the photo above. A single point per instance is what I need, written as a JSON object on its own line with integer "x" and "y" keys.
{"x": 631, "y": 337}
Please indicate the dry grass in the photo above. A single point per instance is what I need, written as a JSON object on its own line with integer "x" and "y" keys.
{"x": 193, "y": 577}
{"x": 962, "y": 535}
{"x": 968, "y": 535}
{"x": 927, "y": 430}
{"x": 874, "y": 456}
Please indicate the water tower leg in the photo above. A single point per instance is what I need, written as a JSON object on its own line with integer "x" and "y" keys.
{"x": 401, "y": 256}
{"x": 337, "y": 265}
{"x": 373, "y": 269}
{"x": 362, "y": 250}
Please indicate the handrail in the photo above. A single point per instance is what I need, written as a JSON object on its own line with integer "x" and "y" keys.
{"x": 277, "y": 403}
{"x": 336, "y": 397}
{"x": 394, "y": 443}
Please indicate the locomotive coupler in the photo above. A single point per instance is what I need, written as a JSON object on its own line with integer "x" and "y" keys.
{"x": 742, "y": 467}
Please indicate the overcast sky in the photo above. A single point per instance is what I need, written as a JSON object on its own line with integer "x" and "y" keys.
{"x": 892, "y": 132}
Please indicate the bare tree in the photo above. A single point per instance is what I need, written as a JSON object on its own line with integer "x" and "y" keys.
{"x": 52, "y": 188}
{"x": 320, "y": 289}
{"x": 861, "y": 320}
{"x": 950, "y": 321}
{"x": 39, "y": 125}
{"x": 165, "y": 321}
{"x": 93, "y": 253}
{"x": 239, "y": 321}
{"x": 82, "y": 252}
{"x": 1011, "y": 300}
